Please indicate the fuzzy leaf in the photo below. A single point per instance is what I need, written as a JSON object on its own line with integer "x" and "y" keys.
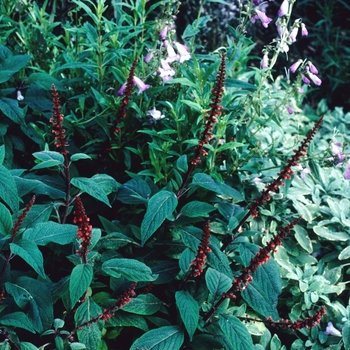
{"x": 217, "y": 283}
{"x": 47, "y": 232}
{"x": 326, "y": 233}
{"x": 124, "y": 319}
{"x": 135, "y": 191}
{"x": 92, "y": 188}
{"x": 133, "y": 270}
{"x": 8, "y": 189}
{"x": 143, "y": 304}
{"x": 303, "y": 238}
{"x": 160, "y": 206}
{"x": 5, "y": 220}
{"x": 17, "y": 319}
{"x": 168, "y": 337}
{"x": 197, "y": 209}
{"x": 79, "y": 156}
{"x": 236, "y": 333}
{"x": 189, "y": 311}
{"x": 107, "y": 183}
{"x": 10, "y": 108}
{"x": 49, "y": 155}
{"x": 80, "y": 280}
{"x": 31, "y": 254}
{"x": 344, "y": 254}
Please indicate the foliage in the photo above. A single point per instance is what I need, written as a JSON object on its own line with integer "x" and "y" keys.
{"x": 207, "y": 210}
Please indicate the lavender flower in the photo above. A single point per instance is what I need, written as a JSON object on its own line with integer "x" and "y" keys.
{"x": 304, "y": 31}
{"x": 283, "y": 9}
{"x": 121, "y": 90}
{"x": 140, "y": 84}
{"x": 163, "y": 33}
{"x": 172, "y": 56}
{"x": 295, "y": 66}
{"x": 347, "y": 170}
{"x": 148, "y": 57}
{"x": 315, "y": 79}
{"x": 155, "y": 114}
{"x": 290, "y": 109}
{"x": 166, "y": 71}
{"x": 263, "y": 18}
{"x": 313, "y": 69}
{"x": 331, "y": 330}
{"x": 337, "y": 151}
{"x": 300, "y": 90}
{"x": 183, "y": 51}
{"x": 305, "y": 80}
{"x": 293, "y": 34}
{"x": 265, "y": 61}
{"x": 304, "y": 173}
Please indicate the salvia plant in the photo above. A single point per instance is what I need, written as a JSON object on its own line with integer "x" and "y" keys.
{"x": 158, "y": 196}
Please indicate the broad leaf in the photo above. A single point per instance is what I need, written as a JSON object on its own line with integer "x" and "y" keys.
{"x": 236, "y": 333}
{"x": 197, "y": 209}
{"x": 217, "y": 283}
{"x": 5, "y": 220}
{"x": 92, "y": 188}
{"x": 168, "y": 337}
{"x": 106, "y": 182}
{"x": 189, "y": 311}
{"x": 143, "y": 304}
{"x": 135, "y": 191}
{"x": 80, "y": 280}
{"x": 124, "y": 319}
{"x": 31, "y": 254}
{"x": 303, "y": 239}
{"x": 47, "y": 232}
{"x": 326, "y": 233}
{"x": 49, "y": 155}
{"x": 160, "y": 206}
{"x": 17, "y": 319}
{"x": 8, "y": 189}
{"x": 78, "y": 156}
{"x": 133, "y": 270}
{"x": 10, "y": 108}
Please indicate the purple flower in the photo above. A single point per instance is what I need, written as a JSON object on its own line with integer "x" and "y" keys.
{"x": 140, "y": 84}
{"x": 163, "y": 33}
{"x": 166, "y": 71}
{"x": 256, "y": 2}
{"x": 337, "y": 151}
{"x": 263, "y": 18}
{"x": 289, "y": 109}
{"x": 304, "y": 31}
{"x": 304, "y": 172}
{"x": 172, "y": 56}
{"x": 283, "y": 9}
{"x": 148, "y": 57}
{"x": 315, "y": 79}
{"x": 305, "y": 80}
{"x": 295, "y": 66}
{"x": 121, "y": 90}
{"x": 293, "y": 34}
{"x": 300, "y": 90}
{"x": 183, "y": 51}
{"x": 331, "y": 330}
{"x": 155, "y": 114}
{"x": 313, "y": 69}
{"x": 265, "y": 61}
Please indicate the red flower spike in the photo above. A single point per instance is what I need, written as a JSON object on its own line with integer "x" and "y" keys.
{"x": 125, "y": 101}
{"x": 20, "y": 219}
{"x": 57, "y": 123}
{"x": 84, "y": 231}
{"x": 198, "y": 263}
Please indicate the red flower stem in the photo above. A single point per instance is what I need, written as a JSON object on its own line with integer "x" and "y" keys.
{"x": 273, "y": 187}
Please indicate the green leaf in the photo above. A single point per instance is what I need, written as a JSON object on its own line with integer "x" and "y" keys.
{"x": 135, "y": 191}
{"x": 49, "y": 155}
{"x": 217, "y": 283}
{"x": 344, "y": 254}
{"x": 8, "y": 189}
{"x": 205, "y": 342}
{"x": 31, "y": 254}
{"x": 236, "y": 333}
{"x": 303, "y": 238}
{"x": 303, "y": 211}
{"x": 133, "y": 270}
{"x": 45, "y": 81}
{"x": 326, "y": 233}
{"x": 78, "y": 156}
{"x": 106, "y": 182}
{"x": 115, "y": 240}
{"x": 230, "y": 146}
{"x": 10, "y": 65}
{"x": 2, "y": 154}
{"x": 182, "y": 81}
{"x": 197, "y": 209}
{"x": 28, "y": 346}
{"x": 207, "y": 182}
{"x": 168, "y": 337}
{"x": 34, "y": 295}
{"x": 219, "y": 261}
{"x": 92, "y": 188}
{"x": 346, "y": 335}
{"x": 88, "y": 335}
{"x": 182, "y": 164}
{"x": 46, "y": 164}
{"x": 123, "y": 319}
{"x": 143, "y": 304}
{"x": 189, "y": 311}
{"x": 5, "y": 220}
{"x": 47, "y": 232}
{"x": 11, "y": 109}
{"x": 160, "y": 206}
{"x": 262, "y": 293}
{"x": 17, "y": 319}
{"x": 80, "y": 280}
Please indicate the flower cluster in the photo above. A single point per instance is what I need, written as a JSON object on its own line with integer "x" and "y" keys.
{"x": 199, "y": 261}
{"x": 84, "y": 231}
{"x": 309, "y": 72}
{"x": 57, "y": 123}
{"x": 20, "y": 219}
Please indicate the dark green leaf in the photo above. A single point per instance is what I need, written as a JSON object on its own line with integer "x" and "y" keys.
{"x": 92, "y": 188}
{"x": 205, "y": 342}
{"x": 135, "y": 191}
{"x": 5, "y": 220}
{"x": 78, "y": 156}
{"x": 8, "y": 189}
{"x": 17, "y": 319}
{"x": 189, "y": 311}
{"x": 217, "y": 283}
{"x": 181, "y": 163}
{"x": 219, "y": 261}
{"x": 47, "y": 232}
{"x": 124, "y": 319}
{"x": 49, "y": 155}
{"x": 197, "y": 209}
{"x": 236, "y": 333}
{"x": 46, "y": 164}
{"x": 31, "y": 254}
{"x": 166, "y": 271}
{"x": 346, "y": 334}
{"x": 160, "y": 206}
{"x": 168, "y": 337}
{"x": 45, "y": 81}
{"x": 133, "y": 270}
{"x": 143, "y": 304}
{"x": 115, "y": 240}
{"x": 80, "y": 280}
{"x": 106, "y": 182}
{"x": 10, "y": 108}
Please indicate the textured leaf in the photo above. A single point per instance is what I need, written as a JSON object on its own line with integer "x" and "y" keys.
{"x": 135, "y": 191}
{"x": 106, "y": 182}
{"x": 262, "y": 293}
{"x": 88, "y": 335}
{"x": 17, "y": 319}
{"x": 47, "y": 232}
{"x": 143, "y": 304}
{"x": 219, "y": 261}
{"x": 189, "y": 311}
{"x": 45, "y": 81}
{"x": 80, "y": 280}
{"x": 182, "y": 164}
{"x": 303, "y": 238}
{"x": 133, "y": 270}
{"x": 197, "y": 209}
{"x": 10, "y": 65}
{"x": 92, "y": 188}
{"x": 8, "y": 189}
{"x": 207, "y": 182}
{"x": 46, "y": 164}
{"x": 344, "y": 254}
{"x": 236, "y": 333}
{"x": 49, "y": 155}
{"x": 5, "y": 220}
{"x": 78, "y": 156}
{"x": 124, "y": 319}
{"x": 10, "y": 108}
{"x": 217, "y": 283}
{"x": 28, "y": 346}
{"x": 205, "y": 342}
{"x": 326, "y": 233}
{"x": 160, "y": 206}
{"x": 346, "y": 334}
{"x": 168, "y": 337}
{"x": 31, "y": 254}
{"x": 303, "y": 211}
{"x": 31, "y": 293}
{"x": 115, "y": 240}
